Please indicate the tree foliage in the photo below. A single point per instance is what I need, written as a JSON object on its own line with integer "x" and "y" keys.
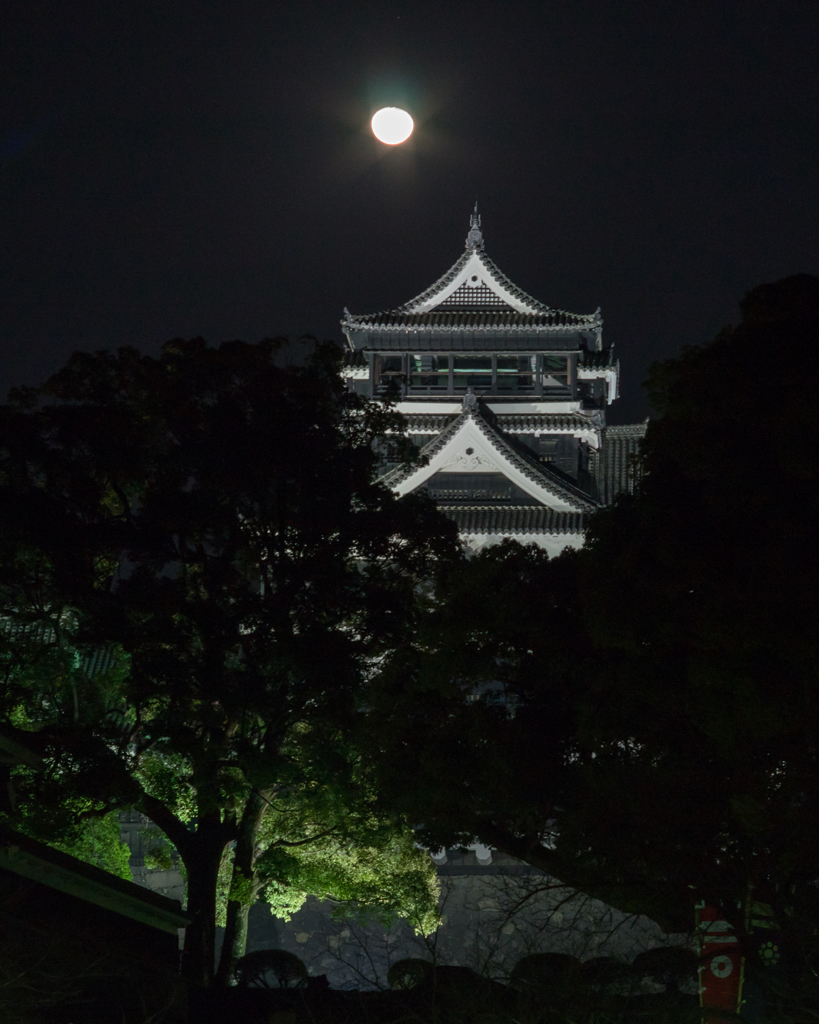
{"x": 213, "y": 520}
{"x": 707, "y": 760}
{"x": 656, "y": 737}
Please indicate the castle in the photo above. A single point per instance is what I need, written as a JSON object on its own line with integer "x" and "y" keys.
{"x": 506, "y": 398}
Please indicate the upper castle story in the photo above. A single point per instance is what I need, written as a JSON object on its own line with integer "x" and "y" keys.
{"x": 474, "y": 328}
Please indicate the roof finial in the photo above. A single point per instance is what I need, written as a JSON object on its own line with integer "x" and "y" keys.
{"x": 470, "y": 402}
{"x": 474, "y": 240}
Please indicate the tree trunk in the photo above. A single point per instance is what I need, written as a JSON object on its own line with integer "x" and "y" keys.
{"x": 201, "y": 852}
{"x": 235, "y": 943}
{"x": 202, "y": 859}
{"x": 245, "y": 884}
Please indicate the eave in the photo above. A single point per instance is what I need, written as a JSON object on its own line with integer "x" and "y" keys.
{"x": 514, "y": 520}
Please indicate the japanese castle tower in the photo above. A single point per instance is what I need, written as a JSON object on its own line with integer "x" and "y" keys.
{"x": 506, "y": 397}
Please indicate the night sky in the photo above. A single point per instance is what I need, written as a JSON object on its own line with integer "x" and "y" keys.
{"x": 183, "y": 168}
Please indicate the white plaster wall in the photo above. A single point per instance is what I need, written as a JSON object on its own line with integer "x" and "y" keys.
{"x": 552, "y": 543}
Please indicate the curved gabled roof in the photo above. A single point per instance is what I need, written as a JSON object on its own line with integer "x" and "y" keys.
{"x": 471, "y": 426}
{"x": 493, "y": 292}
{"x": 473, "y": 293}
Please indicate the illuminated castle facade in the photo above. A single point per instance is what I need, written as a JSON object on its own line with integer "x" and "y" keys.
{"x": 506, "y": 397}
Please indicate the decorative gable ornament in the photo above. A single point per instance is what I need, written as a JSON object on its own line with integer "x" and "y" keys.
{"x": 470, "y": 459}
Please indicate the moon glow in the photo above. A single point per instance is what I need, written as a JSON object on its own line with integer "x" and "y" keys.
{"x": 392, "y": 125}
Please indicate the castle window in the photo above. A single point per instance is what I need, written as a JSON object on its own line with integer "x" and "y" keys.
{"x": 472, "y": 372}
{"x": 470, "y": 487}
{"x": 429, "y": 373}
{"x": 501, "y": 373}
{"x": 516, "y": 373}
{"x": 482, "y": 487}
{"x": 388, "y": 369}
{"x": 555, "y": 372}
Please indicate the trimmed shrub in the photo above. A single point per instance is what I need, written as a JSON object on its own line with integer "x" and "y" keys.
{"x": 404, "y": 974}
{"x": 256, "y": 968}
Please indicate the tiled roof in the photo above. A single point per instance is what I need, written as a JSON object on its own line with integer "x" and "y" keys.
{"x": 43, "y": 634}
{"x": 617, "y": 469}
{"x": 497, "y": 275}
{"x": 518, "y": 423}
{"x": 355, "y": 359}
{"x": 426, "y": 423}
{"x": 540, "y": 474}
{"x": 467, "y": 320}
{"x": 592, "y": 360}
{"x": 628, "y": 430}
{"x": 64, "y": 873}
{"x": 493, "y": 303}
{"x": 513, "y": 519}
{"x": 470, "y": 339}
{"x": 522, "y": 423}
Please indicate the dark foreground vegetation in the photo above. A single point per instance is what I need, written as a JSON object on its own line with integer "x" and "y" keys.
{"x": 657, "y": 988}
{"x": 457, "y": 998}
{"x": 664, "y": 679}
{"x": 213, "y": 613}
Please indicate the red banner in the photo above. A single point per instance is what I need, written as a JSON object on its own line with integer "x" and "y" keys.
{"x": 721, "y": 966}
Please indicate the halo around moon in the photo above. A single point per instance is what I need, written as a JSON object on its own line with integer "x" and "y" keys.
{"x": 392, "y": 125}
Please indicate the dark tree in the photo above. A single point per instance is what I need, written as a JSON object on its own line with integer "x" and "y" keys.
{"x": 703, "y": 588}
{"x": 210, "y": 521}
{"x": 656, "y": 739}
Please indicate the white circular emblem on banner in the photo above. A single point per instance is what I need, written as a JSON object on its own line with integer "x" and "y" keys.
{"x": 721, "y": 966}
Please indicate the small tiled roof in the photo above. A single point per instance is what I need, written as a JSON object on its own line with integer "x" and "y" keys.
{"x": 628, "y": 430}
{"x": 355, "y": 359}
{"x": 509, "y": 520}
{"x": 589, "y": 359}
{"x": 522, "y": 423}
{"x": 519, "y": 423}
{"x": 42, "y": 633}
{"x": 618, "y": 469}
{"x": 427, "y": 423}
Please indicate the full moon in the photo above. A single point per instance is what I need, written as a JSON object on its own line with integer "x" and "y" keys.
{"x": 392, "y": 125}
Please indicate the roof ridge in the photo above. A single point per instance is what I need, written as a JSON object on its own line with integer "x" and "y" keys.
{"x": 445, "y": 279}
{"x": 400, "y": 473}
{"x": 522, "y": 296}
